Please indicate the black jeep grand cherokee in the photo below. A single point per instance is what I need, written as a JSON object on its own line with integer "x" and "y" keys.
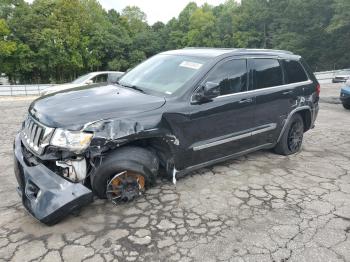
{"x": 179, "y": 111}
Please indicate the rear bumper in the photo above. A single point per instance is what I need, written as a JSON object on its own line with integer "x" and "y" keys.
{"x": 339, "y": 80}
{"x": 45, "y": 195}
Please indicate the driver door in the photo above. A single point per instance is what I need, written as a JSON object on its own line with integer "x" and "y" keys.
{"x": 222, "y": 126}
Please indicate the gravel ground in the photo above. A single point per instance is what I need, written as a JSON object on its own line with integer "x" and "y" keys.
{"x": 261, "y": 207}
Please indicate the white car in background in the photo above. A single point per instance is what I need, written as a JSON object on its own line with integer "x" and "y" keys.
{"x": 342, "y": 76}
{"x": 88, "y": 79}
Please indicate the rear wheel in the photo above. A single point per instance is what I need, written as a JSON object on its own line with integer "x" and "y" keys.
{"x": 125, "y": 174}
{"x": 346, "y": 106}
{"x": 292, "y": 138}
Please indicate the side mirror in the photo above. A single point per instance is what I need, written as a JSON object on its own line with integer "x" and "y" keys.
{"x": 207, "y": 92}
{"x": 89, "y": 82}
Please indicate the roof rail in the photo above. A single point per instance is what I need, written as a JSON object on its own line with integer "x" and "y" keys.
{"x": 201, "y": 47}
{"x": 244, "y": 49}
{"x": 269, "y": 50}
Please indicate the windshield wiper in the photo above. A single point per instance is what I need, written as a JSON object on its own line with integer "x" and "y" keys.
{"x": 132, "y": 87}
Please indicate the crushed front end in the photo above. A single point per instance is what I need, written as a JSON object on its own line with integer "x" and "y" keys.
{"x": 51, "y": 182}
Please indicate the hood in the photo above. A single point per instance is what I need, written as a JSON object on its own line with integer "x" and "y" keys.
{"x": 74, "y": 108}
{"x": 57, "y": 88}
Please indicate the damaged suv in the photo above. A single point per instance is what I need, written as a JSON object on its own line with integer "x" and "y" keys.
{"x": 176, "y": 112}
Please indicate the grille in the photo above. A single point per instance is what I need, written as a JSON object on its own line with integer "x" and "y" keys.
{"x": 35, "y": 135}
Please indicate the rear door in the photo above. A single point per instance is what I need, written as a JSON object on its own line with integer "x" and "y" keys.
{"x": 274, "y": 98}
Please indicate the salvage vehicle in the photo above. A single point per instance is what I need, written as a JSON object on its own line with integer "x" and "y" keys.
{"x": 345, "y": 95}
{"x": 87, "y": 79}
{"x": 176, "y": 112}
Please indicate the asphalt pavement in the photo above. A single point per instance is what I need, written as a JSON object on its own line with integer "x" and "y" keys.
{"x": 260, "y": 207}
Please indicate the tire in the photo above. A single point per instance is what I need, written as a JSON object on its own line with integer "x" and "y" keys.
{"x": 346, "y": 106}
{"x": 292, "y": 138}
{"x": 135, "y": 159}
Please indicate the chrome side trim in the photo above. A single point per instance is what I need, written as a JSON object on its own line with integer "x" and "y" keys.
{"x": 268, "y": 88}
{"x": 221, "y": 159}
{"x": 234, "y": 137}
{"x": 268, "y": 128}
{"x": 223, "y": 141}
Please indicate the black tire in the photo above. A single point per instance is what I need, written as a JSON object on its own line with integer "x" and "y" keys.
{"x": 292, "y": 138}
{"x": 346, "y": 106}
{"x": 131, "y": 158}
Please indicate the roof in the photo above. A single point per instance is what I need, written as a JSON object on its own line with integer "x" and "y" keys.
{"x": 215, "y": 52}
{"x": 104, "y": 72}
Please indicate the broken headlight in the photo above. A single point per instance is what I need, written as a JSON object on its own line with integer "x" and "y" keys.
{"x": 75, "y": 141}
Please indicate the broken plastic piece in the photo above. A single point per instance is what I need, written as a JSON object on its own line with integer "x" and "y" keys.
{"x": 174, "y": 176}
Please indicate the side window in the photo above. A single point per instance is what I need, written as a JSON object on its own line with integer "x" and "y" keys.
{"x": 100, "y": 78}
{"x": 267, "y": 73}
{"x": 230, "y": 76}
{"x": 294, "y": 72}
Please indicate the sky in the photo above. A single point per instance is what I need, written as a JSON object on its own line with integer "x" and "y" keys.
{"x": 156, "y": 10}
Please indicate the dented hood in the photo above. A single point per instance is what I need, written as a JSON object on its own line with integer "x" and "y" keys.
{"x": 73, "y": 108}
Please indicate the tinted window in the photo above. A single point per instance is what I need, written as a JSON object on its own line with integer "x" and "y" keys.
{"x": 100, "y": 78}
{"x": 294, "y": 72}
{"x": 231, "y": 76}
{"x": 267, "y": 73}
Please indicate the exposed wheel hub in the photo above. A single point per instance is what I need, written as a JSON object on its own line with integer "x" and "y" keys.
{"x": 125, "y": 186}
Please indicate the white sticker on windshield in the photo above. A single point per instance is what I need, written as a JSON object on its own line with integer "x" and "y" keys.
{"x": 192, "y": 65}
{"x": 168, "y": 92}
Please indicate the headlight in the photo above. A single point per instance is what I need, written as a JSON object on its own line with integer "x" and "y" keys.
{"x": 75, "y": 141}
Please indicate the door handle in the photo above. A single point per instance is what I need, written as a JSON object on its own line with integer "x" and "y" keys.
{"x": 288, "y": 92}
{"x": 245, "y": 100}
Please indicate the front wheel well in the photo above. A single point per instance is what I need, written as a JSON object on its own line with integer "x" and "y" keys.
{"x": 125, "y": 159}
{"x": 157, "y": 145}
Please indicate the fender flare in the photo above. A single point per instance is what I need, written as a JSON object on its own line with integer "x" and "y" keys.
{"x": 296, "y": 110}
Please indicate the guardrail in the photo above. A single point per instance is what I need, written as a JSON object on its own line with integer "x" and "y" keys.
{"x": 34, "y": 90}
{"x": 22, "y": 90}
{"x": 326, "y": 76}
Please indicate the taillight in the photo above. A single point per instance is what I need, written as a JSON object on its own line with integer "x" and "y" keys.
{"x": 318, "y": 89}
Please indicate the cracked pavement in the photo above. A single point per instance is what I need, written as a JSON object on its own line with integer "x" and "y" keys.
{"x": 260, "y": 207}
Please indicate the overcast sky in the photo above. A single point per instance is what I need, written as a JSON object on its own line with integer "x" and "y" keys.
{"x": 156, "y": 10}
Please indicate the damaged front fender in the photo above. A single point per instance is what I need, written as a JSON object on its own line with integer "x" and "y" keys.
{"x": 117, "y": 132}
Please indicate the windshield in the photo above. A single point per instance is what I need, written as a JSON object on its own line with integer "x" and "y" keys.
{"x": 81, "y": 79}
{"x": 163, "y": 73}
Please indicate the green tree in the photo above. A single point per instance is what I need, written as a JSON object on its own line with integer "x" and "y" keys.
{"x": 57, "y": 40}
{"x": 202, "y": 28}
{"x": 7, "y": 47}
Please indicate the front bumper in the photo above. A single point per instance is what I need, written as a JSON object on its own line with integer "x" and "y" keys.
{"x": 47, "y": 196}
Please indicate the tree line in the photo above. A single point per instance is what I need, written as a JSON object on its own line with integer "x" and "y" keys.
{"x": 57, "y": 40}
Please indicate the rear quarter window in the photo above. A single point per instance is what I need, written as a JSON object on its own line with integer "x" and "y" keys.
{"x": 294, "y": 72}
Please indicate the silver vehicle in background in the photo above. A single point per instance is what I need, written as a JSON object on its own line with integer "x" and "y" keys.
{"x": 341, "y": 76}
{"x": 88, "y": 79}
